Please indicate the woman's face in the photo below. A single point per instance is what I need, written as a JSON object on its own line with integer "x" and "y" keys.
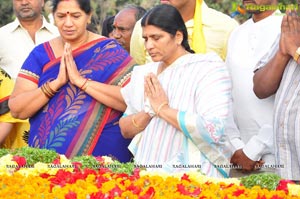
{"x": 161, "y": 45}
{"x": 71, "y": 20}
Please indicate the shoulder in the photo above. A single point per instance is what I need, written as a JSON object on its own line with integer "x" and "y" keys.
{"x": 241, "y": 28}
{"x": 8, "y": 28}
{"x": 109, "y": 44}
{"x": 50, "y": 28}
{"x": 213, "y": 17}
{"x": 38, "y": 51}
{"x": 206, "y": 63}
{"x": 210, "y": 57}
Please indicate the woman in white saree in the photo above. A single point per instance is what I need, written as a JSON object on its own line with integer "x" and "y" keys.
{"x": 178, "y": 105}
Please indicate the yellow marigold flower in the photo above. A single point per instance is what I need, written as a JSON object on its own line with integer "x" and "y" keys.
{"x": 7, "y": 166}
{"x": 66, "y": 163}
{"x": 107, "y": 186}
{"x": 294, "y": 189}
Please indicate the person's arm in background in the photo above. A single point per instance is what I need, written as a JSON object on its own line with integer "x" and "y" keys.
{"x": 267, "y": 78}
{"x": 240, "y": 155}
{"x": 5, "y": 129}
{"x": 6, "y": 120}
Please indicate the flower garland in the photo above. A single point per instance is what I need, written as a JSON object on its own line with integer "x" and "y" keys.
{"x": 103, "y": 177}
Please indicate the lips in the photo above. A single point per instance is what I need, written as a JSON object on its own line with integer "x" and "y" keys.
{"x": 69, "y": 32}
{"x": 152, "y": 54}
{"x": 164, "y": 2}
{"x": 25, "y": 9}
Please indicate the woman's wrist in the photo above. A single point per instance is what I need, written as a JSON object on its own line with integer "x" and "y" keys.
{"x": 55, "y": 84}
{"x": 49, "y": 88}
{"x": 161, "y": 107}
{"x": 140, "y": 120}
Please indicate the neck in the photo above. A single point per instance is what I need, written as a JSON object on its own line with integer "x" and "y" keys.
{"x": 32, "y": 25}
{"x": 77, "y": 43}
{"x": 166, "y": 63}
{"x": 187, "y": 12}
{"x": 260, "y": 16}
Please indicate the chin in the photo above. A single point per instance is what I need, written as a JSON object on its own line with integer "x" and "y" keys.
{"x": 155, "y": 59}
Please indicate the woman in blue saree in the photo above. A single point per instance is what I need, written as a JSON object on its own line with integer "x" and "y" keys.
{"x": 67, "y": 87}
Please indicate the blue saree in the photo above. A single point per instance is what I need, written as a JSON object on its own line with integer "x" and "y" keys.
{"x": 73, "y": 123}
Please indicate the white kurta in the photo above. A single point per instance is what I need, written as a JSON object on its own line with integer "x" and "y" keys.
{"x": 253, "y": 116}
{"x": 198, "y": 86}
{"x": 16, "y": 44}
{"x": 286, "y": 118}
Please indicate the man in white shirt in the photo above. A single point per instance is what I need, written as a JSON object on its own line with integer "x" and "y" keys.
{"x": 19, "y": 37}
{"x": 278, "y": 73}
{"x": 252, "y": 142}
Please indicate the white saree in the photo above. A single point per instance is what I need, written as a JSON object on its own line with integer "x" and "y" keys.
{"x": 199, "y": 87}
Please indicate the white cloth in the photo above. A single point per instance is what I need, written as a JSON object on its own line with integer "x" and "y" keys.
{"x": 286, "y": 118}
{"x": 253, "y": 116}
{"x": 198, "y": 86}
{"x": 16, "y": 44}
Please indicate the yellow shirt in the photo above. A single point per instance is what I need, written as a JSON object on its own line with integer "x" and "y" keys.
{"x": 15, "y": 137}
{"x": 216, "y": 28}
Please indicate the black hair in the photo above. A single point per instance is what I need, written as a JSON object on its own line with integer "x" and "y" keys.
{"x": 107, "y": 25}
{"x": 139, "y": 10}
{"x": 167, "y": 18}
{"x": 84, "y": 5}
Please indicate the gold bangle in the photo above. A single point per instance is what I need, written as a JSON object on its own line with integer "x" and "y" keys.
{"x": 160, "y": 107}
{"x": 86, "y": 85}
{"x": 296, "y": 55}
{"x": 47, "y": 89}
{"x": 135, "y": 124}
{"x": 83, "y": 84}
{"x": 45, "y": 92}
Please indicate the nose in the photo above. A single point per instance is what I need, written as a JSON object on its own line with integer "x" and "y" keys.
{"x": 68, "y": 21}
{"x": 116, "y": 33}
{"x": 24, "y": 2}
{"x": 149, "y": 45}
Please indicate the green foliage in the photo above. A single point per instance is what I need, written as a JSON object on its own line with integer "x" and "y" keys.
{"x": 118, "y": 167}
{"x": 32, "y": 155}
{"x": 264, "y": 180}
{"x": 103, "y": 8}
{"x": 6, "y": 12}
{"x": 87, "y": 162}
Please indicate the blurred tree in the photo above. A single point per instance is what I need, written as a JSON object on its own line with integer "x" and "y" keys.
{"x": 6, "y": 12}
{"x": 228, "y": 7}
{"x": 103, "y": 8}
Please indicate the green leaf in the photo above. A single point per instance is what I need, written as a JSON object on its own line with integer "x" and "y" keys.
{"x": 264, "y": 180}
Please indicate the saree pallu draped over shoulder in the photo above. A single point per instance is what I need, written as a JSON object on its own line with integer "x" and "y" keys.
{"x": 73, "y": 123}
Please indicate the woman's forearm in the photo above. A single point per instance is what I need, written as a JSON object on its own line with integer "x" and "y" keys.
{"x": 26, "y": 104}
{"x": 108, "y": 95}
{"x": 134, "y": 124}
{"x": 27, "y": 98}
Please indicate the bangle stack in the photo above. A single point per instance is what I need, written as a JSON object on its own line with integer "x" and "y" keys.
{"x": 85, "y": 84}
{"x": 160, "y": 107}
{"x": 47, "y": 90}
